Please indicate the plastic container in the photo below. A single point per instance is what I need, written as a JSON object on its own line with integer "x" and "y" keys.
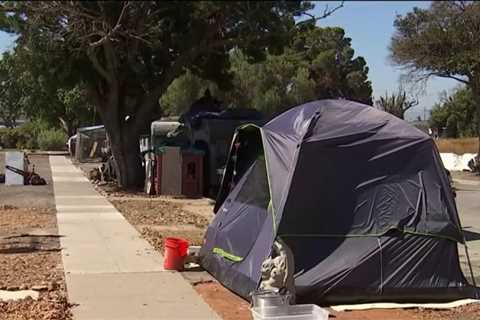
{"x": 266, "y": 299}
{"x": 176, "y": 250}
{"x": 291, "y": 312}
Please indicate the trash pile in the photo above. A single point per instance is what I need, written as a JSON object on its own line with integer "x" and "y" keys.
{"x": 104, "y": 173}
{"x": 17, "y": 171}
{"x": 464, "y": 162}
{"x": 29, "y": 177}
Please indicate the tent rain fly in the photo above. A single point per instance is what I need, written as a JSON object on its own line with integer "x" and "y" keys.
{"x": 360, "y": 197}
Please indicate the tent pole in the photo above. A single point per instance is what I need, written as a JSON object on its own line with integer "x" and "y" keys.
{"x": 468, "y": 260}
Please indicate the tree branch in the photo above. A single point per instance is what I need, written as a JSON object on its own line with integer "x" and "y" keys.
{"x": 449, "y": 76}
{"x": 150, "y": 102}
{"x": 417, "y": 76}
{"x": 94, "y": 95}
{"x": 97, "y": 66}
{"x": 326, "y": 12}
{"x": 114, "y": 30}
{"x": 459, "y": 5}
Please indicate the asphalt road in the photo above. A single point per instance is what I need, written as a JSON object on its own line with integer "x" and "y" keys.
{"x": 29, "y": 196}
{"x": 468, "y": 204}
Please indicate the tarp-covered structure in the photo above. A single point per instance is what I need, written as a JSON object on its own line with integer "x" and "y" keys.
{"x": 360, "y": 197}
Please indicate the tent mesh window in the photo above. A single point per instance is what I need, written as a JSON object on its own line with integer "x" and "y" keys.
{"x": 89, "y": 144}
{"x": 246, "y": 207}
{"x": 247, "y": 148}
{"x": 249, "y": 161}
{"x": 255, "y": 189}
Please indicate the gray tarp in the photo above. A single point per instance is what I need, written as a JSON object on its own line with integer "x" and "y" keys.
{"x": 360, "y": 196}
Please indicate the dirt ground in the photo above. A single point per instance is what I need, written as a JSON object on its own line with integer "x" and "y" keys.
{"x": 159, "y": 218}
{"x": 231, "y": 307}
{"x": 30, "y": 250}
{"x": 227, "y": 305}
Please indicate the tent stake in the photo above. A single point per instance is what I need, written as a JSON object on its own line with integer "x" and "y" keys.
{"x": 468, "y": 260}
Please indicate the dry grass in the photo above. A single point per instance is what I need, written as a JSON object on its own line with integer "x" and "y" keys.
{"x": 458, "y": 146}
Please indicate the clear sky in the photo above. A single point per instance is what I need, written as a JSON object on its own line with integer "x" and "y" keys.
{"x": 6, "y": 41}
{"x": 370, "y": 26}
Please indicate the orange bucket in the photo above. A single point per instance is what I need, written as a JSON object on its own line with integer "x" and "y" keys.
{"x": 176, "y": 249}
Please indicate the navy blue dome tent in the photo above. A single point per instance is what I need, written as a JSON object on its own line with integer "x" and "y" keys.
{"x": 360, "y": 197}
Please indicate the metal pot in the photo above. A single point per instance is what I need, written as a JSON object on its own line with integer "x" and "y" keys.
{"x": 267, "y": 299}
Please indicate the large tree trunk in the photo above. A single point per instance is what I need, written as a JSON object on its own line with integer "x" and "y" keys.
{"x": 477, "y": 102}
{"x": 124, "y": 124}
{"x": 126, "y": 152}
{"x": 67, "y": 126}
{"x": 123, "y": 135}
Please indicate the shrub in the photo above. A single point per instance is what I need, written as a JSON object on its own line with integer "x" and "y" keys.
{"x": 52, "y": 140}
{"x": 24, "y": 136}
{"x": 8, "y": 138}
{"x": 27, "y": 135}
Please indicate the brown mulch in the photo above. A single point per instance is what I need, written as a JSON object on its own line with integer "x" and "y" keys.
{"x": 49, "y": 306}
{"x": 157, "y": 238}
{"x": 159, "y": 219}
{"x": 31, "y": 262}
{"x": 111, "y": 189}
{"x": 15, "y": 220}
{"x": 164, "y": 213}
{"x": 25, "y": 270}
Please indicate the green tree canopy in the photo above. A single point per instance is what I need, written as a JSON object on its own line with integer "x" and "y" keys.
{"x": 74, "y": 110}
{"x": 441, "y": 41}
{"x": 128, "y": 53}
{"x": 12, "y": 96}
{"x": 329, "y": 58}
{"x": 456, "y": 113}
{"x": 183, "y": 91}
{"x": 318, "y": 63}
{"x": 37, "y": 95}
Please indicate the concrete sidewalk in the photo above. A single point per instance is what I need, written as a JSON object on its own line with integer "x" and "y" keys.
{"x": 112, "y": 273}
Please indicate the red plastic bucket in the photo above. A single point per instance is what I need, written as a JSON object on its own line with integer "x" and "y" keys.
{"x": 176, "y": 249}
